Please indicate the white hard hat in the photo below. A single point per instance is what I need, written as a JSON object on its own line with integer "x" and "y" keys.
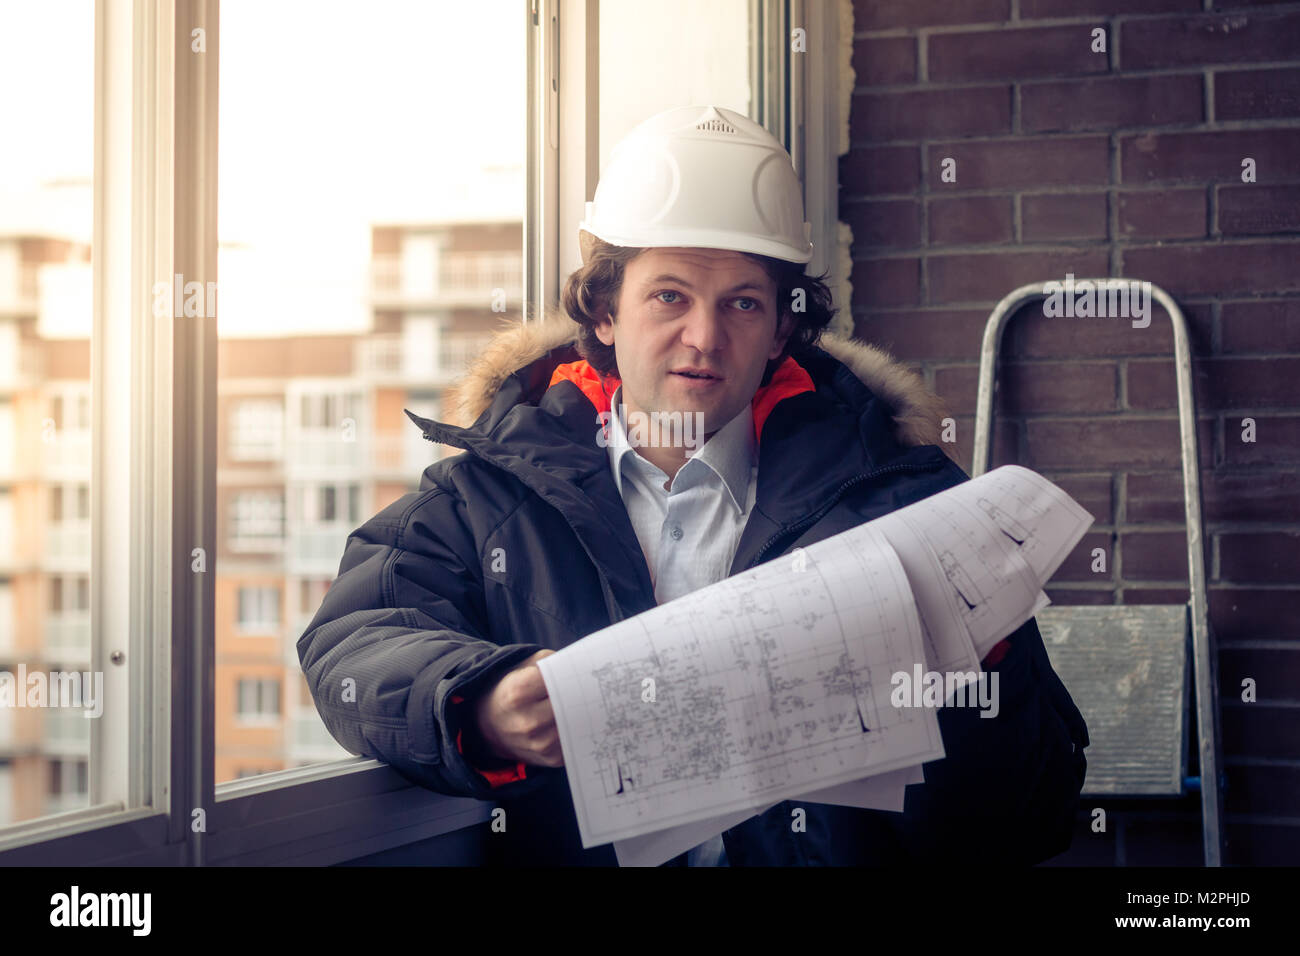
{"x": 700, "y": 176}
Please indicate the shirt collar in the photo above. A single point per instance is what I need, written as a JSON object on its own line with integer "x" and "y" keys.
{"x": 729, "y": 453}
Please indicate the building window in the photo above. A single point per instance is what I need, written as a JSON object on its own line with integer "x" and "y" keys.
{"x": 328, "y": 410}
{"x": 258, "y": 611}
{"x": 69, "y": 777}
{"x": 70, "y": 411}
{"x": 327, "y": 504}
{"x": 70, "y": 502}
{"x": 257, "y": 431}
{"x": 258, "y": 700}
{"x": 311, "y": 592}
{"x": 257, "y": 521}
{"x": 69, "y": 593}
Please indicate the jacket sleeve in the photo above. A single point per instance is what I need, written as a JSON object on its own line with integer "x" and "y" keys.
{"x": 1007, "y": 790}
{"x": 401, "y": 642}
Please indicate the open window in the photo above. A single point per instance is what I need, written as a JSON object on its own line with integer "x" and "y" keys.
{"x": 207, "y": 339}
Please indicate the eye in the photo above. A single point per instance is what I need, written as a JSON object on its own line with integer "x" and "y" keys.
{"x": 668, "y": 292}
{"x": 754, "y": 304}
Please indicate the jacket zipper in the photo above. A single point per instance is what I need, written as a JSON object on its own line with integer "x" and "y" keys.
{"x": 839, "y": 493}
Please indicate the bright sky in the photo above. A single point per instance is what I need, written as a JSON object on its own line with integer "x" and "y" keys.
{"x": 336, "y": 114}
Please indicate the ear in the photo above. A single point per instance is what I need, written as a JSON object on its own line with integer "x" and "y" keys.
{"x": 784, "y": 330}
{"x": 605, "y": 330}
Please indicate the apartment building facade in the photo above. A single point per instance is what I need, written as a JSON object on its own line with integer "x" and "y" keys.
{"x": 312, "y": 441}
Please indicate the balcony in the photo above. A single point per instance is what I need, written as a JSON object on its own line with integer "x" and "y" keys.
{"x": 317, "y": 550}
{"x": 67, "y": 453}
{"x": 404, "y": 457}
{"x": 22, "y": 367}
{"x": 67, "y": 732}
{"x": 391, "y": 360}
{"x": 23, "y": 298}
{"x": 459, "y": 351}
{"x": 67, "y": 546}
{"x": 467, "y": 279}
{"x": 67, "y": 638}
{"x": 309, "y": 741}
{"x": 324, "y": 453}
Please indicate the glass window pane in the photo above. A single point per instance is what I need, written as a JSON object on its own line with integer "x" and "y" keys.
{"x": 370, "y": 237}
{"x": 687, "y": 54}
{"x": 46, "y": 171}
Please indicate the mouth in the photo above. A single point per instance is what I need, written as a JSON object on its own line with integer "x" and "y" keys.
{"x": 696, "y": 375}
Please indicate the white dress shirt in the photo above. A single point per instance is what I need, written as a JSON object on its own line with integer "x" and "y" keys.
{"x": 689, "y": 532}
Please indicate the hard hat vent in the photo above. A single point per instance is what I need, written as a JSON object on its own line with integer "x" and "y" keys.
{"x": 716, "y": 126}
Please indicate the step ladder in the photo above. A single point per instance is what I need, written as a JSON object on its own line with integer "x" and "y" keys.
{"x": 1126, "y": 665}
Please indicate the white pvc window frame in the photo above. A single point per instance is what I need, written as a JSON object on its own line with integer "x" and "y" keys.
{"x": 153, "y": 800}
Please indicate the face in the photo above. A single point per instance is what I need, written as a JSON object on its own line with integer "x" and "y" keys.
{"x": 708, "y": 311}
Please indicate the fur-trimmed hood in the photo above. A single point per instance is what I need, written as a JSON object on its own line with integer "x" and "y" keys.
{"x": 918, "y": 412}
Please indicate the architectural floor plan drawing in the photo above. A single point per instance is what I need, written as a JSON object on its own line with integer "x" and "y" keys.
{"x": 775, "y": 683}
{"x": 768, "y": 684}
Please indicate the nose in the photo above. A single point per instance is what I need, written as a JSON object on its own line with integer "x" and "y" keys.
{"x": 703, "y": 329}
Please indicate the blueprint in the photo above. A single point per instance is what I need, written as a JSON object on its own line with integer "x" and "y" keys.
{"x": 775, "y": 683}
{"x": 765, "y": 685}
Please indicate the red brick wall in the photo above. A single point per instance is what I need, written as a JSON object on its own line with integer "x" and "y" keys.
{"x": 1123, "y": 163}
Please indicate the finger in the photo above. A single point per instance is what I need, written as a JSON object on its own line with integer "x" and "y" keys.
{"x": 551, "y": 754}
{"x": 539, "y": 716}
{"x": 528, "y": 684}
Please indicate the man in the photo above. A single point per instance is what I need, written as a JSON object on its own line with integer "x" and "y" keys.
{"x": 560, "y": 519}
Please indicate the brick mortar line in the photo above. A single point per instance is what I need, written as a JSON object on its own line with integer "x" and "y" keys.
{"x": 1090, "y": 190}
{"x": 1188, "y": 301}
{"x": 1207, "y": 97}
{"x": 923, "y": 271}
{"x": 1117, "y": 550}
{"x": 1128, "y": 415}
{"x": 1078, "y": 248}
{"x": 1034, "y": 23}
{"x": 1150, "y": 359}
{"x": 1170, "y": 186}
{"x": 1119, "y": 498}
{"x": 1057, "y": 79}
{"x": 1241, "y": 760}
{"x": 1112, "y": 205}
{"x": 1263, "y": 644}
{"x": 1097, "y": 134}
{"x": 1132, "y": 528}
{"x": 1017, "y": 361}
{"x": 872, "y": 253}
{"x": 1266, "y": 124}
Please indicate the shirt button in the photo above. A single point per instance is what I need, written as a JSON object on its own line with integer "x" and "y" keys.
{"x": 676, "y": 533}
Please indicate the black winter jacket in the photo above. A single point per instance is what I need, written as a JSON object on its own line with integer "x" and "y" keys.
{"x": 522, "y": 543}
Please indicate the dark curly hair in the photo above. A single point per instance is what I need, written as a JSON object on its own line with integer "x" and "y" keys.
{"x": 593, "y": 290}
